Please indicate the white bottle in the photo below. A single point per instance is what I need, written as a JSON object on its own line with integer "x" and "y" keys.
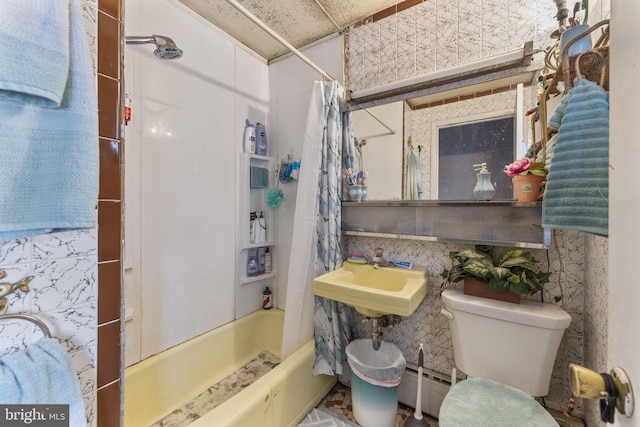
{"x": 253, "y": 226}
{"x": 261, "y": 229}
{"x": 249, "y": 138}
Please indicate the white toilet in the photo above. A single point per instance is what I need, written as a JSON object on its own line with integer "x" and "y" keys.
{"x": 508, "y": 351}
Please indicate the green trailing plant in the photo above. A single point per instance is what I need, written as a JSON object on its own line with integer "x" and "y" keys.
{"x": 512, "y": 269}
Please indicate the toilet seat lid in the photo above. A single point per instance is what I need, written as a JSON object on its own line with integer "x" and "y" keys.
{"x": 479, "y": 402}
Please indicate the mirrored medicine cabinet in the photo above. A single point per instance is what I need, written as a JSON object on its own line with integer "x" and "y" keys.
{"x": 450, "y": 122}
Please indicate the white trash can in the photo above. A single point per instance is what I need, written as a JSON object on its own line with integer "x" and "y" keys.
{"x": 375, "y": 378}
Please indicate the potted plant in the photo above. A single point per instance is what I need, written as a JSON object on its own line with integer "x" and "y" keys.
{"x": 505, "y": 276}
{"x": 528, "y": 178}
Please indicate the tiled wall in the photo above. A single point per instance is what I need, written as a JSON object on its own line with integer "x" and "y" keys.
{"x": 432, "y": 35}
{"x": 109, "y": 19}
{"x": 64, "y": 292}
{"x": 76, "y": 289}
{"x": 63, "y": 295}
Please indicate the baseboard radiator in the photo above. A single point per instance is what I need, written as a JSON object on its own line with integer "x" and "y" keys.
{"x": 435, "y": 387}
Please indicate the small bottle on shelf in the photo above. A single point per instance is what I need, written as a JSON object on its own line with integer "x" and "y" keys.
{"x": 252, "y": 227}
{"x": 261, "y": 229}
{"x": 261, "y": 260}
{"x": 252, "y": 262}
{"x": 267, "y": 303}
{"x": 267, "y": 261}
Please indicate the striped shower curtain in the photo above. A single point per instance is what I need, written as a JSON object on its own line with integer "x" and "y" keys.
{"x": 317, "y": 243}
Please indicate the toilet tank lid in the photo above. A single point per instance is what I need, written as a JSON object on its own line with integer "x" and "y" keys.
{"x": 530, "y": 313}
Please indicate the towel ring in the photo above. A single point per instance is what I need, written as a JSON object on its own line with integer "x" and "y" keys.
{"x": 39, "y": 323}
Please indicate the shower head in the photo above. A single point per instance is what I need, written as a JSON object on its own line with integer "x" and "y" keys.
{"x": 165, "y": 47}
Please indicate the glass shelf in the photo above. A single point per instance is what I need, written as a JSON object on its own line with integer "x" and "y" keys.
{"x": 496, "y": 223}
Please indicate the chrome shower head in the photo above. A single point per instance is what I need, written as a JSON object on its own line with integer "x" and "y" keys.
{"x": 165, "y": 47}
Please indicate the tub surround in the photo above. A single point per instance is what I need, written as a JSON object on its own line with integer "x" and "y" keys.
{"x": 158, "y": 385}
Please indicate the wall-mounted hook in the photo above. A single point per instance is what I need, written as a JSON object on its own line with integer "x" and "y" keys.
{"x": 7, "y": 288}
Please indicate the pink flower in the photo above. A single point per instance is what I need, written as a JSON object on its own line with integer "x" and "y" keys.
{"x": 517, "y": 167}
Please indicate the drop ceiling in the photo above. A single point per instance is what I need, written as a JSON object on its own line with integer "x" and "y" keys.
{"x": 299, "y": 22}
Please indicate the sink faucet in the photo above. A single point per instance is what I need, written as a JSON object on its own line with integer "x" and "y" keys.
{"x": 378, "y": 260}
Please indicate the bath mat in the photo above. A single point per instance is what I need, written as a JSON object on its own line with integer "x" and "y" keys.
{"x": 321, "y": 417}
{"x": 219, "y": 393}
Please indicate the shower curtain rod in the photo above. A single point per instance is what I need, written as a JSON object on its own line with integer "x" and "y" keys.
{"x": 276, "y": 36}
{"x": 391, "y": 131}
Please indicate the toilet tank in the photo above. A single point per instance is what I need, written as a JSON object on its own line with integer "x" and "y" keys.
{"x": 515, "y": 344}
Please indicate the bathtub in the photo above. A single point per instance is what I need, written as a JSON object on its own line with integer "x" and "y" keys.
{"x": 282, "y": 397}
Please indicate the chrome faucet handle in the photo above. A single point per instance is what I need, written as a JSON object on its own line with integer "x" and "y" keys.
{"x": 378, "y": 252}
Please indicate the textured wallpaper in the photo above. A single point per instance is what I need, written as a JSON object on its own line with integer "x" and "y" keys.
{"x": 439, "y": 34}
{"x": 426, "y": 325}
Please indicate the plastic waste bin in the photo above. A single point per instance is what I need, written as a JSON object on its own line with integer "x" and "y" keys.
{"x": 375, "y": 378}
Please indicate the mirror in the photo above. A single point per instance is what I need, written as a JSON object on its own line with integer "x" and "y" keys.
{"x": 448, "y": 132}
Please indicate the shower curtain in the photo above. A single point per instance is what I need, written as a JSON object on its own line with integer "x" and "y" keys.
{"x": 317, "y": 246}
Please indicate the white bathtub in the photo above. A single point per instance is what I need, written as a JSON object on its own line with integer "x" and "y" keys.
{"x": 156, "y": 386}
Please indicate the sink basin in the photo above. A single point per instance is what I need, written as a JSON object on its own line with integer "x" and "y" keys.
{"x": 374, "y": 292}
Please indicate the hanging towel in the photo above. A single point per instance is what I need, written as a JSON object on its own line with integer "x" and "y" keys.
{"x": 42, "y": 374}
{"x": 418, "y": 174}
{"x": 412, "y": 179}
{"x": 48, "y": 119}
{"x": 577, "y": 192}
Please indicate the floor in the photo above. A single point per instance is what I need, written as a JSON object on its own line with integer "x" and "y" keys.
{"x": 338, "y": 400}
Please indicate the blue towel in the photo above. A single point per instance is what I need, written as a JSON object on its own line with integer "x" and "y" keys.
{"x": 577, "y": 192}
{"x": 48, "y": 119}
{"x": 35, "y": 49}
{"x": 42, "y": 374}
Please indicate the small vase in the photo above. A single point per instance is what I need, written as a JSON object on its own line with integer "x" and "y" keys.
{"x": 355, "y": 193}
{"x": 529, "y": 187}
{"x": 477, "y": 288}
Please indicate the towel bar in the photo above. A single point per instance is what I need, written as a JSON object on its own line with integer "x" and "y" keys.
{"x": 39, "y": 323}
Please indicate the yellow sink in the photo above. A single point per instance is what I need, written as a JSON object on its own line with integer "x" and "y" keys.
{"x": 374, "y": 292}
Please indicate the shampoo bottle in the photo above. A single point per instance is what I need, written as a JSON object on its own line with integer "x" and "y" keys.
{"x": 249, "y": 138}
{"x": 261, "y": 260}
{"x": 261, "y": 229}
{"x": 252, "y": 227}
{"x": 261, "y": 139}
{"x": 252, "y": 262}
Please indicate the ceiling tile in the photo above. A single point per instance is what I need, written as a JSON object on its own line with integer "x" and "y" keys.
{"x": 349, "y": 12}
{"x": 297, "y": 21}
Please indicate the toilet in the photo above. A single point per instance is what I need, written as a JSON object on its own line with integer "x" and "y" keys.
{"x": 508, "y": 351}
